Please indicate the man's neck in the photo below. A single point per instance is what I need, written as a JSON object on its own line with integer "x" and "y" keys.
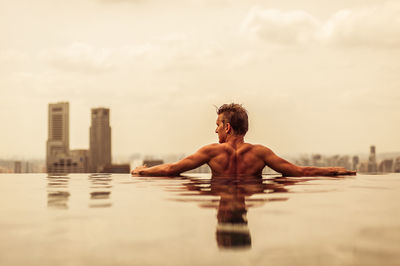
{"x": 234, "y": 140}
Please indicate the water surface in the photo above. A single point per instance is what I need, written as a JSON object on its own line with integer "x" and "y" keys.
{"x": 104, "y": 219}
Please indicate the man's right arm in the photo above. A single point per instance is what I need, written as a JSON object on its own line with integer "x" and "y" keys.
{"x": 288, "y": 169}
{"x": 195, "y": 160}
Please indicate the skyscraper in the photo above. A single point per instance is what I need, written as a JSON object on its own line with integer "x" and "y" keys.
{"x": 372, "y": 165}
{"x": 58, "y": 133}
{"x": 100, "y": 139}
{"x": 59, "y": 158}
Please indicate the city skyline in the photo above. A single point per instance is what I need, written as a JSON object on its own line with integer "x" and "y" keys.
{"x": 160, "y": 154}
{"x": 315, "y": 76}
{"x": 61, "y": 159}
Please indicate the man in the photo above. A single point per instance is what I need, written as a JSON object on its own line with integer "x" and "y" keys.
{"x": 233, "y": 157}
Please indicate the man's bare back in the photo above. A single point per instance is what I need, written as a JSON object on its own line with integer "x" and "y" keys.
{"x": 242, "y": 159}
{"x": 233, "y": 157}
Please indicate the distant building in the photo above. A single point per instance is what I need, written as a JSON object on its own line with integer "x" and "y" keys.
{"x": 396, "y": 166}
{"x": 35, "y": 166}
{"x": 100, "y": 140}
{"x": 372, "y": 165}
{"x": 3, "y": 170}
{"x": 28, "y": 167}
{"x": 117, "y": 168}
{"x": 386, "y": 166}
{"x": 79, "y": 161}
{"x": 363, "y": 167}
{"x": 58, "y": 129}
{"x": 344, "y": 161}
{"x": 303, "y": 160}
{"x": 356, "y": 161}
{"x": 17, "y": 167}
{"x": 59, "y": 158}
{"x": 70, "y": 164}
{"x": 151, "y": 162}
{"x": 316, "y": 160}
{"x": 58, "y": 136}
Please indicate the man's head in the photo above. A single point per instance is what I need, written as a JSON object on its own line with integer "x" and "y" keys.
{"x": 232, "y": 119}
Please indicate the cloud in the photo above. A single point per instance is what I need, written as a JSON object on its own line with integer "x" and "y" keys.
{"x": 275, "y": 26}
{"x": 80, "y": 57}
{"x": 169, "y": 52}
{"x": 190, "y": 55}
{"x": 375, "y": 27}
{"x": 11, "y": 56}
{"x": 13, "y": 60}
{"x": 85, "y": 58}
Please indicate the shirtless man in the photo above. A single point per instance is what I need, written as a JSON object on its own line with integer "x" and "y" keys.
{"x": 234, "y": 157}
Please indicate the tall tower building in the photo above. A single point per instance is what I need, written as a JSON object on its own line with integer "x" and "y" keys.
{"x": 58, "y": 133}
{"x": 100, "y": 139}
{"x": 372, "y": 165}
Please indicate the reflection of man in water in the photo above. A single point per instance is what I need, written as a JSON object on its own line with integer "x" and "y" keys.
{"x": 234, "y": 157}
{"x": 232, "y": 229}
{"x": 234, "y": 200}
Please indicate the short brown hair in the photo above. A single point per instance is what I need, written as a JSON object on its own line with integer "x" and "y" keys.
{"x": 236, "y": 116}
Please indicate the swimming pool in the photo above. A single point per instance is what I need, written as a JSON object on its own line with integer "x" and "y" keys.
{"x": 103, "y": 219}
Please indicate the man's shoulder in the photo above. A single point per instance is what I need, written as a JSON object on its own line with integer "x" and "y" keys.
{"x": 223, "y": 146}
{"x": 217, "y": 148}
{"x": 210, "y": 150}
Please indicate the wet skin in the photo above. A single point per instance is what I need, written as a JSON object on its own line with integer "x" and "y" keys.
{"x": 233, "y": 157}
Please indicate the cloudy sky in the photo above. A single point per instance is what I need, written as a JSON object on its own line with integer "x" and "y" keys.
{"x": 315, "y": 75}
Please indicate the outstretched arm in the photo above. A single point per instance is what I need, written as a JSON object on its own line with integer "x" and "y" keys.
{"x": 195, "y": 160}
{"x": 288, "y": 169}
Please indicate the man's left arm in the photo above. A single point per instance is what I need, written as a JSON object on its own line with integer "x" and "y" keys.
{"x": 195, "y": 160}
{"x": 288, "y": 169}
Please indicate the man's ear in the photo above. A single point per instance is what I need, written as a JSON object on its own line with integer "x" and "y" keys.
{"x": 228, "y": 128}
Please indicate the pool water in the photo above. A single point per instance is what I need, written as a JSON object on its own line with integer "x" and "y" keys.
{"x": 104, "y": 219}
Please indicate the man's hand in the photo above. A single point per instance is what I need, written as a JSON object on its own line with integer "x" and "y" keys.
{"x": 334, "y": 171}
{"x": 136, "y": 171}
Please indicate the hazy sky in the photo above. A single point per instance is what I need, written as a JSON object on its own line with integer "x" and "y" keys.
{"x": 315, "y": 75}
